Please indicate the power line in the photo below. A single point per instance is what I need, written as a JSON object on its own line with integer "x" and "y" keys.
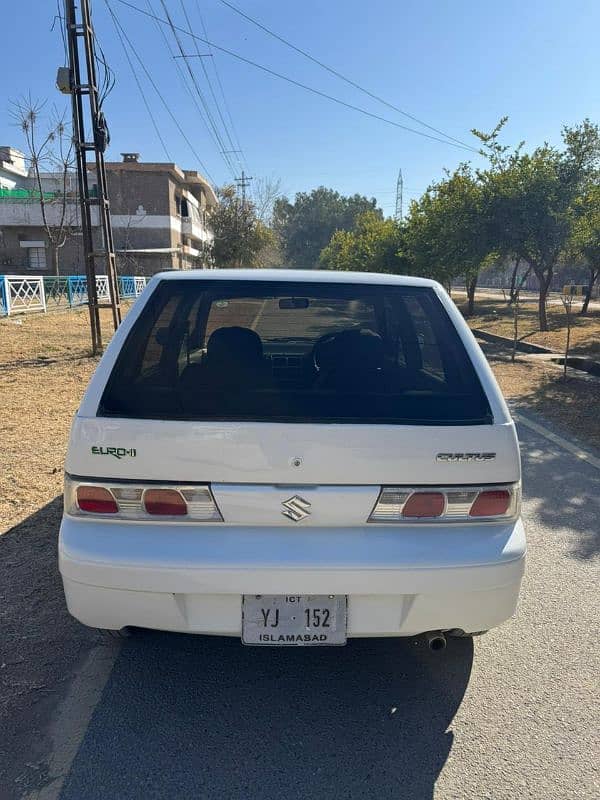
{"x": 159, "y": 93}
{"x": 221, "y": 89}
{"x": 141, "y": 90}
{"x": 210, "y": 86}
{"x": 339, "y": 74}
{"x": 302, "y": 85}
{"x": 212, "y": 128}
{"x": 184, "y": 79}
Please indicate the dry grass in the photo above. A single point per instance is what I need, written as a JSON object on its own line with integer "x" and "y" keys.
{"x": 495, "y": 316}
{"x": 45, "y": 365}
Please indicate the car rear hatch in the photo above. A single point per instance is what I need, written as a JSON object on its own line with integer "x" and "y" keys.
{"x": 310, "y": 394}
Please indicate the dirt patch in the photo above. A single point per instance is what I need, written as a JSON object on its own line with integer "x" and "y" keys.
{"x": 495, "y": 316}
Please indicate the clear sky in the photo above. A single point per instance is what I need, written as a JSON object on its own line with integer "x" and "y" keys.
{"x": 455, "y": 65}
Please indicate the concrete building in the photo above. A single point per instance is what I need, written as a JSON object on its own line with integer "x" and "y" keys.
{"x": 160, "y": 215}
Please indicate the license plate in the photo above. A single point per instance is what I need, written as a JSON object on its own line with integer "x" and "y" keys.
{"x": 301, "y": 620}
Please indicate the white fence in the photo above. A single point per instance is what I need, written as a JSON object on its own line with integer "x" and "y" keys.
{"x": 21, "y": 294}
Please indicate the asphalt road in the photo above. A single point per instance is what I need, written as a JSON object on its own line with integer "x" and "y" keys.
{"x": 512, "y": 715}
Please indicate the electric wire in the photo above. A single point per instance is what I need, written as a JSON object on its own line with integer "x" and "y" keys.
{"x": 311, "y": 89}
{"x": 141, "y": 90}
{"x": 221, "y": 89}
{"x": 184, "y": 79}
{"x": 208, "y": 81}
{"x": 212, "y": 128}
{"x": 159, "y": 93}
{"x": 339, "y": 74}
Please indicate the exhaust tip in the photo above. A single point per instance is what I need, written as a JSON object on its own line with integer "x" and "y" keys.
{"x": 436, "y": 641}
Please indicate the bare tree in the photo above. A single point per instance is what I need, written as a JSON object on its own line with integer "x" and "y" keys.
{"x": 265, "y": 192}
{"x": 50, "y": 151}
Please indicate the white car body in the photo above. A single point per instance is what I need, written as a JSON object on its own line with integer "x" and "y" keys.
{"x": 400, "y": 579}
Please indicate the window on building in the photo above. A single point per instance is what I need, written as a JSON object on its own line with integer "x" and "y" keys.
{"x": 37, "y": 258}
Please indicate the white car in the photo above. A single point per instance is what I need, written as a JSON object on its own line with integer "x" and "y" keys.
{"x": 293, "y": 458}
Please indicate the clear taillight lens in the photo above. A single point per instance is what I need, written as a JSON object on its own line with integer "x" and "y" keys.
{"x": 139, "y": 501}
{"x": 449, "y": 504}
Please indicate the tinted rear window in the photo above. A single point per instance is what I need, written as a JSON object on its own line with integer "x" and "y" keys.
{"x": 294, "y": 352}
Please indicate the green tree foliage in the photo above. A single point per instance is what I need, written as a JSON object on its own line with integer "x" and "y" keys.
{"x": 446, "y": 231}
{"x": 585, "y": 236}
{"x": 529, "y": 198}
{"x": 240, "y": 237}
{"x": 306, "y": 226}
{"x": 374, "y": 245}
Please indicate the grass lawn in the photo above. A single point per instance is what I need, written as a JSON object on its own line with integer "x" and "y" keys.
{"x": 45, "y": 365}
{"x": 495, "y": 316}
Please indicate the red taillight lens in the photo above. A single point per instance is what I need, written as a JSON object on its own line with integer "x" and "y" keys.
{"x": 96, "y": 500}
{"x": 491, "y": 503}
{"x": 424, "y": 504}
{"x": 165, "y": 502}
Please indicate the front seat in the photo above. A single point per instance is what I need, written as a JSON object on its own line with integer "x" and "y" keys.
{"x": 233, "y": 362}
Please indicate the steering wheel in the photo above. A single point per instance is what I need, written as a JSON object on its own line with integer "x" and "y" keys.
{"x": 321, "y": 342}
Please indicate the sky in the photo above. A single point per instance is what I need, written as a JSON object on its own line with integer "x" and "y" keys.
{"x": 454, "y": 65}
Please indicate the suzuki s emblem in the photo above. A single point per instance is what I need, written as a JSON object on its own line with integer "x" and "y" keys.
{"x": 296, "y": 508}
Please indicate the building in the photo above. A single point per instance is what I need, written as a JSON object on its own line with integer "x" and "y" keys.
{"x": 160, "y": 215}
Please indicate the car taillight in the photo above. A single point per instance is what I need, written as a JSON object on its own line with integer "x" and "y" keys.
{"x": 491, "y": 503}
{"x": 424, "y": 504}
{"x": 96, "y": 500}
{"x": 448, "y": 504}
{"x": 139, "y": 501}
{"x": 165, "y": 502}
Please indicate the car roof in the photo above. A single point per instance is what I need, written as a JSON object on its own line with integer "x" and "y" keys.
{"x": 296, "y": 275}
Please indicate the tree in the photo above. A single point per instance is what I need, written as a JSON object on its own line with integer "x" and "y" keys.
{"x": 266, "y": 192}
{"x": 239, "y": 236}
{"x": 585, "y": 237}
{"x": 50, "y": 152}
{"x": 374, "y": 245}
{"x": 306, "y": 226}
{"x": 446, "y": 231}
{"x": 529, "y": 197}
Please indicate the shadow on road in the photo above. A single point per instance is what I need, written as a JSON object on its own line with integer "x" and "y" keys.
{"x": 185, "y": 716}
{"x": 565, "y": 489}
{"x": 41, "y": 647}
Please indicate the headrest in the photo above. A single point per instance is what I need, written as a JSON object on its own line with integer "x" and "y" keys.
{"x": 234, "y": 343}
{"x": 354, "y": 348}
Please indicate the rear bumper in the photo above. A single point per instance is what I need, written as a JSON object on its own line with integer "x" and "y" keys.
{"x": 399, "y": 581}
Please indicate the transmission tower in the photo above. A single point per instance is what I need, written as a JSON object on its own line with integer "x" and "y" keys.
{"x": 92, "y": 138}
{"x": 399, "y": 189}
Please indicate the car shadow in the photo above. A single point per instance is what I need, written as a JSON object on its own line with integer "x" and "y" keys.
{"x": 192, "y": 716}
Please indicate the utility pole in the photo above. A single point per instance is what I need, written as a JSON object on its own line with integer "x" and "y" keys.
{"x": 90, "y": 138}
{"x": 399, "y": 192}
{"x": 243, "y": 183}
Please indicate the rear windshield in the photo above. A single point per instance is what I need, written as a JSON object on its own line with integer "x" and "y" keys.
{"x": 294, "y": 352}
